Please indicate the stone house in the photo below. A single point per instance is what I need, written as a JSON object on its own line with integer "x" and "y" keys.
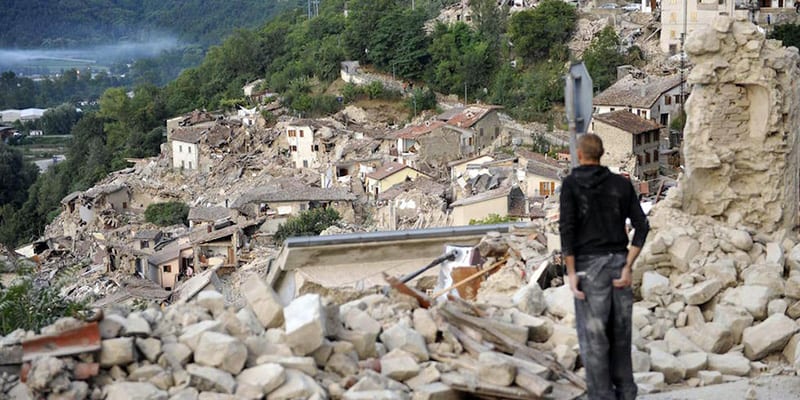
{"x": 652, "y": 97}
{"x": 211, "y": 217}
{"x": 541, "y": 179}
{"x": 509, "y": 200}
{"x": 185, "y": 144}
{"x": 146, "y": 240}
{"x": 388, "y": 175}
{"x": 459, "y": 168}
{"x": 627, "y": 137}
{"x": 165, "y": 265}
{"x": 306, "y": 141}
{"x": 484, "y": 123}
{"x": 285, "y": 199}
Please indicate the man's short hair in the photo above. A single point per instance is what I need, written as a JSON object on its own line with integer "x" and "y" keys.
{"x": 591, "y": 146}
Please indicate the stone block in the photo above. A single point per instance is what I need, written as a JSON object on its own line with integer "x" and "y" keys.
{"x": 177, "y": 352}
{"x": 426, "y": 375}
{"x": 212, "y": 301}
{"x": 733, "y": 363}
{"x": 359, "y": 320}
{"x": 363, "y": 342}
{"x": 399, "y": 365}
{"x": 768, "y": 336}
{"x": 734, "y": 317}
{"x": 777, "y": 306}
{"x": 306, "y": 365}
{"x": 135, "y": 325}
{"x": 792, "y": 351}
{"x": 723, "y": 271}
{"x": 376, "y": 395}
{"x": 654, "y": 285}
{"x": 211, "y": 379}
{"x": 149, "y": 347}
{"x": 495, "y": 369}
{"x": 539, "y": 329}
{"x": 754, "y": 299}
{"x": 424, "y": 324}
{"x": 740, "y": 239}
{"x": 402, "y": 337}
{"x": 342, "y": 364}
{"x": 694, "y": 363}
{"x": 678, "y": 343}
{"x": 560, "y": 301}
{"x": 530, "y": 299}
{"x": 682, "y": 251}
{"x": 264, "y": 302}
{"x": 222, "y": 351}
{"x": 435, "y": 391}
{"x": 134, "y": 391}
{"x": 709, "y": 377}
{"x": 767, "y": 275}
{"x": 266, "y": 377}
{"x": 712, "y": 337}
{"x": 640, "y": 361}
{"x": 191, "y": 335}
{"x": 667, "y": 364}
{"x": 775, "y": 253}
{"x": 297, "y": 386}
{"x": 119, "y": 351}
{"x": 305, "y": 323}
{"x": 792, "y": 286}
{"x": 701, "y": 292}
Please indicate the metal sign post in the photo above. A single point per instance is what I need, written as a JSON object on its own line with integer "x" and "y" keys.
{"x": 578, "y": 101}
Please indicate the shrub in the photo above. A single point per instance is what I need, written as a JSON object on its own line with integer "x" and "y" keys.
{"x": 166, "y": 214}
{"x": 307, "y": 223}
{"x": 31, "y": 305}
{"x": 492, "y": 219}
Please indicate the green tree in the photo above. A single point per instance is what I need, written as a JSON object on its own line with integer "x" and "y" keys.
{"x": 602, "y": 58}
{"x": 59, "y": 120}
{"x": 308, "y": 223}
{"x": 166, "y": 214}
{"x": 460, "y": 56}
{"x": 30, "y": 305}
{"x": 16, "y": 176}
{"x": 789, "y": 34}
{"x": 537, "y": 32}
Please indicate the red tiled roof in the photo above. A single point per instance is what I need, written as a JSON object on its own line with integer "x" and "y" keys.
{"x": 471, "y": 115}
{"x": 415, "y": 131}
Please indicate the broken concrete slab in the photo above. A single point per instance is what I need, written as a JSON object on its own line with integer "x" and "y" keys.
{"x": 305, "y": 323}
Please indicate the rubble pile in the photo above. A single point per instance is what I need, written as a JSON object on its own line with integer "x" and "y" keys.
{"x": 376, "y": 347}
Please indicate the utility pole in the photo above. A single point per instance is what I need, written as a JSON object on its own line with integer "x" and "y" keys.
{"x": 465, "y": 93}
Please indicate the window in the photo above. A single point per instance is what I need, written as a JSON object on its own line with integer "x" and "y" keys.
{"x": 292, "y": 133}
{"x": 315, "y": 147}
{"x": 481, "y": 132}
{"x": 667, "y": 100}
{"x": 677, "y": 99}
{"x": 180, "y": 149}
{"x": 613, "y": 109}
{"x": 655, "y": 155}
{"x": 647, "y": 158}
{"x": 292, "y": 148}
{"x": 665, "y": 119}
{"x": 182, "y": 164}
{"x": 168, "y": 268}
{"x": 189, "y": 149}
{"x": 638, "y": 160}
{"x": 496, "y": 131}
{"x": 638, "y": 140}
{"x": 301, "y": 133}
{"x": 305, "y": 163}
{"x": 144, "y": 244}
{"x": 190, "y": 165}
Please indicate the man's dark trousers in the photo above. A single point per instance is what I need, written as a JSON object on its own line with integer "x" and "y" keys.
{"x": 603, "y": 320}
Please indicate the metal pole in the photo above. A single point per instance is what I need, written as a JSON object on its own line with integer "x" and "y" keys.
{"x": 465, "y": 93}
{"x": 573, "y": 143}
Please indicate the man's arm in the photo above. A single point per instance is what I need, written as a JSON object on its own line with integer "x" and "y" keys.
{"x": 641, "y": 228}
{"x": 566, "y": 228}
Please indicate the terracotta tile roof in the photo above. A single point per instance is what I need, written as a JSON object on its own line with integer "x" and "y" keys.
{"x": 425, "y": 185}
{"x": 189, "y": 134}
{"x": 627, "y": 121}
{"x": 633, "y": 92}
{"x": 387, "y": 170}
{"x": 415, "y": 131}
{"x": 471, "y": 115}
{"x": 209, "y": 214}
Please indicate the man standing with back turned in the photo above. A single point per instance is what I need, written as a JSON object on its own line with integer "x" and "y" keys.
{"x": 594, "y": 206}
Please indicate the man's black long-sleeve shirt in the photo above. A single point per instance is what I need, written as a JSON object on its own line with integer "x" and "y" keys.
{"x": 594, "y": 206}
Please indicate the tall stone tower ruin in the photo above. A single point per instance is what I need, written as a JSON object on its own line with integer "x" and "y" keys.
{"x": 741, "y": 136}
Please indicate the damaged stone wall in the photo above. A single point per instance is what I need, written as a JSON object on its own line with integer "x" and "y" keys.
{"x": 741, "y": 134}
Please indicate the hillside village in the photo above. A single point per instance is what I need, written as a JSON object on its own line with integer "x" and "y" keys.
{"x": 717, "y": 283}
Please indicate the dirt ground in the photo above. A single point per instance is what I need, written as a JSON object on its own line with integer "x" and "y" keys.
{"x": 764, "y": 388}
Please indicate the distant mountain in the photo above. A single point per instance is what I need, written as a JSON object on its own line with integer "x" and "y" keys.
{"x": 72, "y": 23}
